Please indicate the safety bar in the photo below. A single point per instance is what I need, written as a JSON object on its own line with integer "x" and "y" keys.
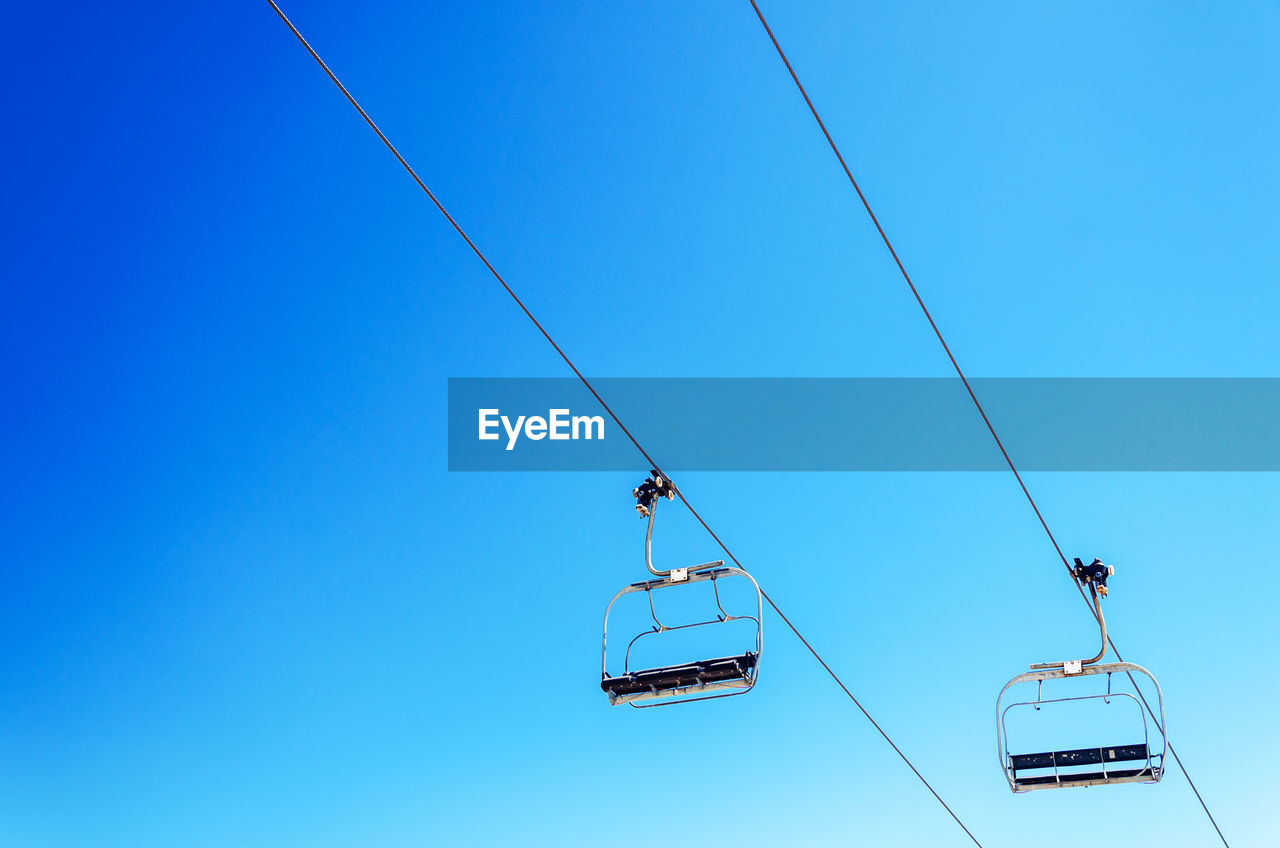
{"x": 1039, "y": 676}
{"x": 694, "y": 577}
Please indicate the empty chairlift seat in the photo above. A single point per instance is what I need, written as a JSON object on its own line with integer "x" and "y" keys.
{"x": 1139, "y": 763}
{"x": 1142, "y": 762}
{"x": 691, "y": 681}
{"x": 1063, "y": 767}
{"x": 703, "y": 676}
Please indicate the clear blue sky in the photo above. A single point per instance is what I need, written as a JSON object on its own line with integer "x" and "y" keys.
{"x": 242, "y": 602}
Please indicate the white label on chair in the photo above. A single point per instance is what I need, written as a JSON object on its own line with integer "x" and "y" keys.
{"x": 679, "y": 575}
{"x": 1073, "y": 666}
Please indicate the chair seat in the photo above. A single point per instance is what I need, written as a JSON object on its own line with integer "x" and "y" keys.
{"x": 681, "y": 676}
{"x": 1081, "y": 757}
{"x": 1085, "y": 777}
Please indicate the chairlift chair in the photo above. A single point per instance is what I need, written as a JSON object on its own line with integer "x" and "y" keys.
{"x": 1138, "y": 763}
{"x": 701, "y": 680}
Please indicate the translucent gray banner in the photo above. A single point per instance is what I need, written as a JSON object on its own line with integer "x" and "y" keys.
{"x": 866, "y": 424}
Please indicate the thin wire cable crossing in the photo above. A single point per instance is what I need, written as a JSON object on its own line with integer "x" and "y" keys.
{"x": 422, "y": 185}
{"x": 965, "y": 380}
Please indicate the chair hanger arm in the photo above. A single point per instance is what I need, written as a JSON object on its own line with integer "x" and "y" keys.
{"x": 648, "y": 550}
{"x": 1096, "y": 606}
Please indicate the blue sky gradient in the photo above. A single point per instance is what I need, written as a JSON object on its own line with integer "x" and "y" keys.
{"x": 242, "y": 601}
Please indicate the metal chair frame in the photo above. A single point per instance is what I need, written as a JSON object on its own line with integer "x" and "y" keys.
{"x": 1040, "y": 672}
{"x": 1154, "y": 761}
{"x": 710, "y": 571}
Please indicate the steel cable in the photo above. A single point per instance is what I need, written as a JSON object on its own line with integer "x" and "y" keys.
{"x": 587, "y": 383}
{"x": 960, "y": 373}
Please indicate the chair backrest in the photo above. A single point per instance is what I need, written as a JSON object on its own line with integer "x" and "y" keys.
{"x": 1079, "y": 757}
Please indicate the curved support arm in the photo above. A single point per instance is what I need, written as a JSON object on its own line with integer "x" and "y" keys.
{"x": 1102, "y": 630}
{"x": 648, "y": 549}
